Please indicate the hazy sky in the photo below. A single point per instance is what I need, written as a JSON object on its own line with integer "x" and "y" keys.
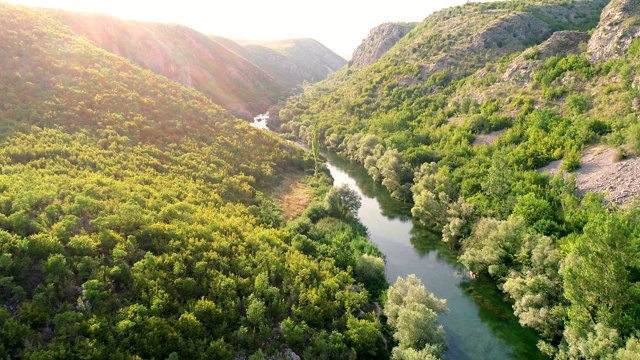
{"x": 339, "y": 24}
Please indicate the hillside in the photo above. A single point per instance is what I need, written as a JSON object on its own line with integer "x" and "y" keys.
{"x": 295, "y": 61}
{"x": 138, "y": 219}
{"x": 378, "y": 42}
{"x": 448, "y": 45}
{"x": 422, "y": 82}
{"x": 244, "y": 79}
{"x": 459, "y": 116}
{"x": 183, "y": 55}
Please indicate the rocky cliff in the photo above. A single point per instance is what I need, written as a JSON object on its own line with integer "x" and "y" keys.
{"x": 619, "y": 26}
{"x": 511, "y": 32}
{"x": 380, "y": 40}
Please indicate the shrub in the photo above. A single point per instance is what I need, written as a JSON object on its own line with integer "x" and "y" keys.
{"x": 634, "y": 138}
{"x": 342, "y": 202}
{"x": 634, "y": 48}
{"x": 577, "y": 104}
{"x": 571, "y": 160}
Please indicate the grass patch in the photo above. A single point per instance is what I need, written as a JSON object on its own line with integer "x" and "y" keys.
{"x": 294, "y": 194}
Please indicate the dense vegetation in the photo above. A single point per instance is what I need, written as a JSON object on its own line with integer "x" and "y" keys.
{"x": 136, "y": 222}
{"x": 567, "y": 260}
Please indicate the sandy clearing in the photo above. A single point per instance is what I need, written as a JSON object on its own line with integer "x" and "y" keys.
{"x": 599, "y": 172}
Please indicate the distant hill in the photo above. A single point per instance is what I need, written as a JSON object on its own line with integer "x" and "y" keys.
{"x": 243, "y": 82}
{"x": 295, "y": 61}
{"x": 183, "y": 55}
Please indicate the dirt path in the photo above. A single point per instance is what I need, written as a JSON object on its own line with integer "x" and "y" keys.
{"x": 600, "y": 172}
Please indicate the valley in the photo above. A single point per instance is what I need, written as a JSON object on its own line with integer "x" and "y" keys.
{"x": 464, "y": 187}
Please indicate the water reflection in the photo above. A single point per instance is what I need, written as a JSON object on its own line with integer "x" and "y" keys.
{"x": 426, "y": 241}
{"x": 390, "y": 207}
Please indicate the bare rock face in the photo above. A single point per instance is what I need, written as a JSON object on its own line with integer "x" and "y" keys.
{"x": 291, "y": 355}
{"x": 619, "y": 26}
{"x": 380, "y": 40}
{"x": 561, "y": 43}
{"x": 511, "y": 32}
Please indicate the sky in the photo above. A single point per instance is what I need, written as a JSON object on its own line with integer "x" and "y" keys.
{"x": 339, "y": 24}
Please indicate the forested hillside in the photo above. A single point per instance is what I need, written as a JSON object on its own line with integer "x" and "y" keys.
{"x": 458, "y": 117}
{"x": 137, "y": 219}
{"x": 245, "y": 80}
{"x": 183, "y": 55}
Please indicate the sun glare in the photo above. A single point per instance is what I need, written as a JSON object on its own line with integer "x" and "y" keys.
{"x": 340, "y": 25}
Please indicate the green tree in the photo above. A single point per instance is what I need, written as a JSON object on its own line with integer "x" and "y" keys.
{"x": 94, "y": 294}
{"x": 393, "y": 173}
{"x": 365, "y": 337}
{"x": 537, "y": 288}
{"x": 432, "y": 194}
{"x": 328, "y": 346}
{"x": 599, "y": 342}
{"x": 460, "y": 222}
{"x": 430, "y": 352}
{"x": 571, "y": 159}
{"x": 370, "y": 271}
{"x": 493, "y": 245}
{"x": 630, "y": 351}
{"x": 599, "y": 279}
{"x": 256, "y": 311}
{"x": 577, "y": 104}
{"x": 532, "y": 209}
{"x": 500, "y": 176}
{"x": 342, "y": 202}
{"x": 412, "y": 311}
{"x": 315, "y": 149}
{"x": 417, "y": 326}
{"x": 295, "y": 334}
{"x": 13, "y": 334}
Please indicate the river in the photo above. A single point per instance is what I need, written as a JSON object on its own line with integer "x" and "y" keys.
{"x": 479, "y": 324}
